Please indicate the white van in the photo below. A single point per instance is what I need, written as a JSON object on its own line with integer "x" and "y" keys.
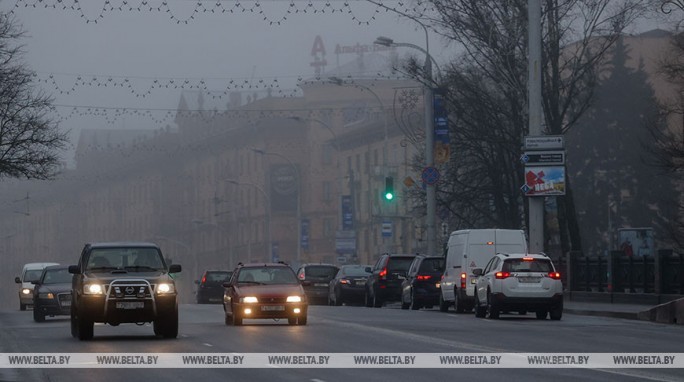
{"x": 31, "y": 272}
{"x": 470, "y": 249}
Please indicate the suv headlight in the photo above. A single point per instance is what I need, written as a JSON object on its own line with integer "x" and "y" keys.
{"x": 165, "y": 288}
{"x": 294, "y": 299}
{"x": 26, "y": 291}
{"x": 93, "y": 289}
{"x": 48, "y": 296}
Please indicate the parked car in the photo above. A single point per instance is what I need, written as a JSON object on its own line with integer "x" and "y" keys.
{"x": 421, "y": 288}
{"x": 315, "y": 279}
{"x": 264, "y": 291}
{"x": 124, "y": 282}
{"x": 52, "y": 293}
{"x": 30, "y": 272}
{"x": 469, "y": 249}
{"x": 384, "y": 283}
{"x": 210, "y": 287}
{"x": 348, "y": 285}
{"x": 519, "y": 283}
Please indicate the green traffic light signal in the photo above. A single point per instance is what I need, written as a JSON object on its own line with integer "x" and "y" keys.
{"x": 389, "y": 188}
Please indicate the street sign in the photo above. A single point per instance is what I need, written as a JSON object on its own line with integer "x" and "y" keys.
{"x": 544, "y": 142}
{"x": 387, "y": 228}
{"x": 430, "y": 175}
{"x": 544, "y": 181}
{"x": 543, "y": 158}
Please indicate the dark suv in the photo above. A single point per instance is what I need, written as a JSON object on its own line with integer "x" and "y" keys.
{"x": 210, "y": 287}
{"x": 123, "y": 283}
{"x": 384, "y": 284}
{"x": 423, "y": 281}
{"x": 315, "y": 279}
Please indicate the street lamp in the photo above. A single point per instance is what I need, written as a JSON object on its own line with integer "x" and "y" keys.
{"x": 338, "y": 81}
{"x": 268, "y": 213}
{"x": 430, "y": 191}
{"x": 299, "y": 197}
{"x": 330, "y": 129}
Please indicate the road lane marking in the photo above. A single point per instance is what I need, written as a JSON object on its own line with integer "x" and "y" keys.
{"x": 207, "y": 344}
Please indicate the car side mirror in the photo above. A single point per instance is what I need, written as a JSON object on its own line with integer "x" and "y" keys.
{"x": 368, "y": 270}
{"x": 17, "y": 280}
{"x": 226, "y": 284}
{"x": 74, "y": 270}
{"x": 174, "y": 268}
{"x": 477, "y": 272}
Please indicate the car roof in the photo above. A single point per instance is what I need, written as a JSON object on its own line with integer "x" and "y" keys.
{"x": 114, "y": 244}
{"x": 521, "y": 255}
{"x": 56, "y": 267}
{"x": 318, "y": 265}
{"x": 256, "y": 265}
{"x": 38, "y": 265}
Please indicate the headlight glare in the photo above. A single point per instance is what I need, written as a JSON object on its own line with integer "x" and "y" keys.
{"x": 26, "y": 291}
{"x": 165, "y": 288}
{"x": 93, "y": 289}
{"x": 250, "y": 300}
{"x": 294, "y": 299}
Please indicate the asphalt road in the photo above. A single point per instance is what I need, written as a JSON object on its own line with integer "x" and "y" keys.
{"x": 346, "y": 329}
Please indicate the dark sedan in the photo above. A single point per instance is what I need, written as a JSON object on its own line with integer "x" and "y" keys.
{"x": 348, "y": 285}
{"x": 210, "y": 287}
{"x": 421, "y": 288}
{"x": 52, "y": 293}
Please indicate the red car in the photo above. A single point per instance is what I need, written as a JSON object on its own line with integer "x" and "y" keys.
{"x": 264, "y": 291}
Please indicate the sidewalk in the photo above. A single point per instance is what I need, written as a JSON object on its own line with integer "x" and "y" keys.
{"x": 628, "y": 311}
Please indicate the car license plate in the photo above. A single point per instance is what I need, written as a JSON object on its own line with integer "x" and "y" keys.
{"x": 65, "y": 303}
{"x": 272, "y": 308}
{"x": 320, "y": 285}
{"x": 130, "y": 305}
{"x": 528, "y": 280}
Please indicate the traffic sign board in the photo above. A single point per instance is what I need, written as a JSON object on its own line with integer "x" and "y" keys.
{"x": 430, "y": 175}
{"x": 543, "y": 158}
{"x": 544, "y": 142}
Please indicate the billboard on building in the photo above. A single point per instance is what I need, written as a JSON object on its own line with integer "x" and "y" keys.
{"x": 284, "y": 187}
{"x": 636, "y": 241}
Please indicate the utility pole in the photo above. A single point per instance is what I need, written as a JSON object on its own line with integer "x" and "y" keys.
{"x": 536, "y": 204}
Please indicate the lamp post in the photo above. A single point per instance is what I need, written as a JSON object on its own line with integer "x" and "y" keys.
{"x": 338, "y": 81}
{"x": 430, "y": 190}
{"x": 267, "y": 200}
{"x": 299, "y": 198}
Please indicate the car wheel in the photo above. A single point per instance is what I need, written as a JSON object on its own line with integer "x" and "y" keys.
{"x": 74, "y": 327}
{"x": 167, "y": 327}
{"x": 377, "y": 302}
{"x": 556, "y": 312}
{"x": 38, "y": 316}
{"x": 237, "y": 320}
{"x": 541, "y": 314}
{"x": 480, "y": 311}
{"x": 414, "y": 304}
{"x": 228, "y": 319}
{"x": 292, "y": 320}
{"x": 85, "y": 328}
{"x": 404, "y": 305}
{"x": 522, "y": 312}
{"x": 443, "y": 305}
{"x": 492, "y": 309}
{"x": 458, "y": 304}
{"x": 22, "y": 306}
{"x": 367, "y": 301}
{"x": 301, "y": 320}
{"x": 338, "y": 299}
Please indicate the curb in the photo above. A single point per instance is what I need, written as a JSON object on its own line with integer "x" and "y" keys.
{"x": 603, "y": 313}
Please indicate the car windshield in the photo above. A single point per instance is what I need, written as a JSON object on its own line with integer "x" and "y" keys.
{"x": 399, "y": 264}
{"x": 325, "y": 271}
{"x": 57, "y": 276}
{"x": 432, "y": 265}
{"x": 130, "y": 259}
{"x": 522, "y": 265}
{"x": 266, "y": 276}
{"x": 356, "y": 270}
{"x": 216, "y": 278}
{"x": 32, "y": 275}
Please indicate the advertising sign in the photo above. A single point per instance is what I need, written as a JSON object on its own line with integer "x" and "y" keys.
{"x": 347, "y": 213}
{"x": 441, "y": 127}
{"x": 284, "y": 186}
{"x": 636, "y": 241}
{"x": 305, "y": 234}
{"x": 544, "y": 181}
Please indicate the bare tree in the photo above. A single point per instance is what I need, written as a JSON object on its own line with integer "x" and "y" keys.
{"x": 488, "y": 94}
{"x": 29, "y": 140}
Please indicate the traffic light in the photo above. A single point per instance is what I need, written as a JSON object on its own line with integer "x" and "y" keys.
{"x": 389, "y": 188}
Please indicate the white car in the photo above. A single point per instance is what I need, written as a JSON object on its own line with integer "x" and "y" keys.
{"x": 519, "y": 283}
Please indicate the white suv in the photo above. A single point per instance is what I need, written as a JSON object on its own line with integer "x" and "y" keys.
{"x": 519, "y": 283}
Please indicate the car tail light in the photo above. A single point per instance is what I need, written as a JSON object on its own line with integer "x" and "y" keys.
{"x": 423, "y": 277}
{"x": 502, "y": 275}
{"x": 463, "y": 280}
{"x": 554, "y": 275}
{"x": 528, "y": 258}
{"x": 383, "y": 273}
{"x": 204, "y": 279}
